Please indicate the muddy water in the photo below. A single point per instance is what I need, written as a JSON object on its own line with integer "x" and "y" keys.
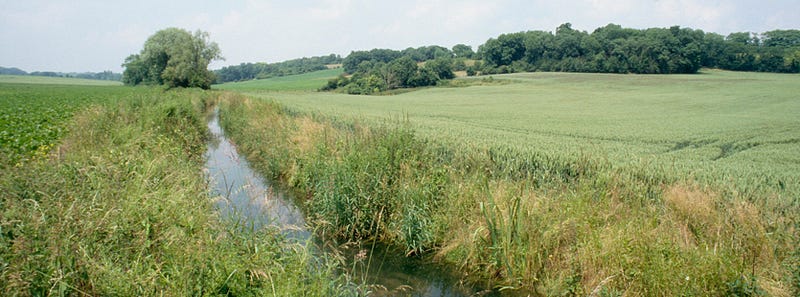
{"x": 243, "y": 195}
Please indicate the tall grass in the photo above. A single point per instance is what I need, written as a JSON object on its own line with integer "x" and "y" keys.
{"x": 544, "y": 223}
{"x": 120, "y": 207}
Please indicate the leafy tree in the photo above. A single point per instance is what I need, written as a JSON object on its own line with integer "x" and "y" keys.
{"x": 173, "y": 57}
{"x": 398, "y": 73}
{"x": 441, "y": 67}
{"x": 782, "y": 38}
{"x": 463, "y": 51}
{"x": 743, "y": 38}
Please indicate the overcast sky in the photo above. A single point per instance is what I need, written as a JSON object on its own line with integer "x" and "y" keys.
{"x": 97, "y": 35}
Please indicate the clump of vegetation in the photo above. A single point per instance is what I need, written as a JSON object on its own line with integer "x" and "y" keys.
{"x": 175, "y": 58}
{"x": 381, "y": 70}
{"x": 551, "y": 224}
{"x": 118, "y": 207}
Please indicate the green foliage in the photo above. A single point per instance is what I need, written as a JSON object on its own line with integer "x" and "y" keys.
{"x": 442, "y": 68}
{"x": 354, "y": 59}
{"x": 613, "y": 49}
{"x": 175, "y": 58}
{"x": 743, "y": 287}
{"x": 379, "y": 71}
{"x": 463, "y": 51}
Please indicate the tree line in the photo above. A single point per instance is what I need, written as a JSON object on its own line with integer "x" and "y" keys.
{"x": 105, "y": 75}
{"x": 176, "y": 58}
{"x": 613, "y": 49}
{"x": 248, "y": 71}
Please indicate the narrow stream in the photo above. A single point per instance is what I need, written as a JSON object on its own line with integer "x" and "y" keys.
{"x": 245, "y": 195}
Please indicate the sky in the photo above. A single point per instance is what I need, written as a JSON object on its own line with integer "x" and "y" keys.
{"x": 97, "y": 35}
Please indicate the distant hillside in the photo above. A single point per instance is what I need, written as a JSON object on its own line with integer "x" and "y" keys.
{"x": 12, "y": 71}
{"x": 105, "y": 75}
{"x": 249, "y": 71}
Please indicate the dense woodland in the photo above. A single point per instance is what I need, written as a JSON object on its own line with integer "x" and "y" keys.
{"x": 613, "y": 49}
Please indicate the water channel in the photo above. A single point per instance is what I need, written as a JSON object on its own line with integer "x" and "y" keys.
{"x": 244, "y": 194}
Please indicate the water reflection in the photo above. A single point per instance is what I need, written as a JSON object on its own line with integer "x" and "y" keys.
{"x": 244, "y": 195}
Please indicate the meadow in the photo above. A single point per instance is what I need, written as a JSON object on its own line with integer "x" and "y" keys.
{"x": 302, "y": 82}
{"x": 102, "y": 193}
{"x": 554, "y": 183}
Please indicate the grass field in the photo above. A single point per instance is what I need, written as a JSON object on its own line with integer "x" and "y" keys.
{"x": 26, "y": 79}
{"x": 302, "y": 82}
{"x": 556, "y": 183}
{"x": 715, "y": 125}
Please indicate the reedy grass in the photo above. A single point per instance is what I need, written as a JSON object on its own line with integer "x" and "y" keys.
{"x": 120, "y": 208}
{"x": 544, "y": 223}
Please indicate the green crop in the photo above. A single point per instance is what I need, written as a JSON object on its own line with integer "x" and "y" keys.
{"x": 33, "y": 117}
{"x": 726, "y": 127}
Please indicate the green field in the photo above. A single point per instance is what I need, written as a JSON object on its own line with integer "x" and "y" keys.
{"x": 27, "y": 79}
{"x": 553, "y": 184}
{"x": 715, "y": 125}
{"x": 301, "y": 82}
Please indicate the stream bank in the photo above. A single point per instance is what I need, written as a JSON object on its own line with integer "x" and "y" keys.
{"x": 244, "y": 195}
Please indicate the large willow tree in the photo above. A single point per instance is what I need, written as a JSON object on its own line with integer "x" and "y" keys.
{"x": 173, "y": 57}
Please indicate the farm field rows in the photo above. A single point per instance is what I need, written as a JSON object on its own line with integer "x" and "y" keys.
{"x": 34, "y": 115}
{"x": 723, "y": 126}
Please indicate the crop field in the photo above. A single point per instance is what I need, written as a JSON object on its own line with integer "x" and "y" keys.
{"x": 34, "y": 115}
{"x": 722, "y": 126}
{"x": 554, "y": 182}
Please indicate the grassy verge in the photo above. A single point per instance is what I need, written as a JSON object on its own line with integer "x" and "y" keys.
{"x": 119, "y": 207}
{"x": 551, "y": 225}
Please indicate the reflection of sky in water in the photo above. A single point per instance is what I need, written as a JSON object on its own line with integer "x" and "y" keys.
{"x": 244, "y": 196}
